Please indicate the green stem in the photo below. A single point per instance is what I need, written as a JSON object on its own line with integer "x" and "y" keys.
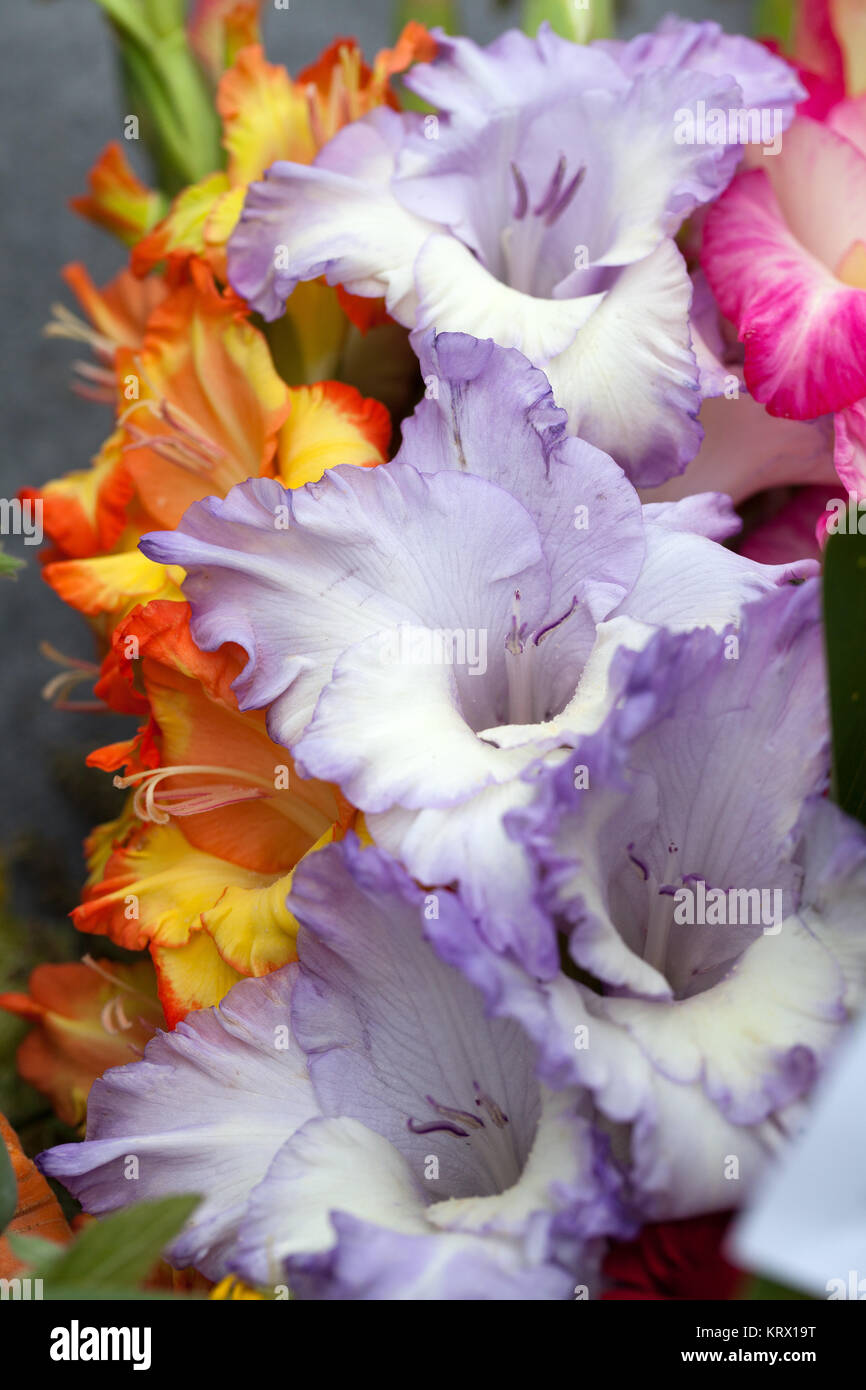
{"x": 571, "y": 18}
{"x": 166, "y": 89}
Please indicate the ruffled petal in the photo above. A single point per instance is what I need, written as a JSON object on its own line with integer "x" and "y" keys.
{"x": 336, "y": 218}
{"x": 345, "y": 559}
{"x": 206, "y": 1112}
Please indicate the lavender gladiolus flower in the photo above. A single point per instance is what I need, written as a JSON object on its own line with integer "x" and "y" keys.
{"x": 364, "y": 600}
{"x": 709, "y": 900}
{"x": 538, "y": 208}
{"x": 356, "y": 1123}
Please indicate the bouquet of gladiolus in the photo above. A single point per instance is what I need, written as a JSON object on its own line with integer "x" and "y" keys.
{"x": 476, "y": 554}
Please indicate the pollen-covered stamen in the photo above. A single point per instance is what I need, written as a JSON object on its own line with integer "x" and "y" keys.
{"x": 522, "y": 238}
{"x": 494, "y": 1112}
{"x": 490, "y": 1135}
{"x": 191, "y": 801}
{"x": 565, "y": 197}
{"x": 459, "y": 1122}
{"x": 557, "y": 622}
{"x": 551, "y": 193}
{"x": 522, "y": 192}
{"x": 639, "y": 864}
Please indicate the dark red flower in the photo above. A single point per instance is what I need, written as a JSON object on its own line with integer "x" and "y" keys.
{"x": 673, "y": 1260}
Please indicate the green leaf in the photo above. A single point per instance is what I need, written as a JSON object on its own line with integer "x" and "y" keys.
{"x": 35, "y": 1252}
{"x": 9, "y": 565}
{"x": 8, "y": 1188}
{"x": 580, "y": 20}
{"x": 166, "y": 89}
{"x": 845, "y": 626}
{"x": 121, "y": 1249}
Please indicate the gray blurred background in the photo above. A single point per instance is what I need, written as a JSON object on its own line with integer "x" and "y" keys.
{"x": 59, "y": 106}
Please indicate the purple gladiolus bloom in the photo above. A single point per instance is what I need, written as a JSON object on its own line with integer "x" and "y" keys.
{"x": 424, "y": 632}
{"x": 356, "y": 1124}
{"x": 538, "y": 208}
{"x": 709, "y": 900}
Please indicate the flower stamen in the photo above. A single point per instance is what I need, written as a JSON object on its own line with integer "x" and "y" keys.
{"x": 190, "y": 801}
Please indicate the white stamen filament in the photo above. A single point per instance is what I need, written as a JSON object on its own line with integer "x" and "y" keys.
{"x": 191, "y": 801}
{"x": 65, "y": 324}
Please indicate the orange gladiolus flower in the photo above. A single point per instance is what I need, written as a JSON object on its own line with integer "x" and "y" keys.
{"x": 199, "y": 867}
{"x": 201, "y": 408}
{"x": 88, "y": 1016}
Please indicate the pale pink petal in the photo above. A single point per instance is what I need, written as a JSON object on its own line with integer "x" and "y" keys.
{"x": 848, "y": 118}
{"x": 819, "y": 179}
{"x": 746, "y": 450}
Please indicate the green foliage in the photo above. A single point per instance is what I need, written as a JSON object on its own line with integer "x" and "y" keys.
{"x": 166, "y": 89}
{"x": 592, "y": 19}
{"x": 845, "y": 634}
{"x": 9, "y": 566}
{"x": 111, "y": 1256}
{"x": 35, "y": 1252}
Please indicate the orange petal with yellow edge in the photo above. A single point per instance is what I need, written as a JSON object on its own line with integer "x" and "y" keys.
{"x": 155, "y": 887}
{"x": 190, "y": 977}
{"x": 112, "y": 584}
{"x": 182, "y": 230}
{"x": 265, "y": 117}
{"x": 218, "y": 28}
{"x": 209, "y": 402}
{"x": 84, "y": 512}
{"x": 330, "y": 423}
{"x": 118, "y": 200}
